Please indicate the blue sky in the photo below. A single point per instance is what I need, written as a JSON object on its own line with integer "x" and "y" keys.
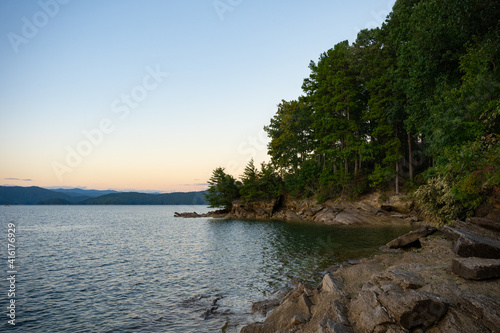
{"x": 154, "y": 95}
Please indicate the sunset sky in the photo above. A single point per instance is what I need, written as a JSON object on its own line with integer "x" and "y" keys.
{"x": 154, "y": 94}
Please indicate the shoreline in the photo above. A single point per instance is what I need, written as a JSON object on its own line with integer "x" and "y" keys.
{"x": 414, "y": 290}
{"x": 368, "y": 210}
{"x": 420, "y": 283}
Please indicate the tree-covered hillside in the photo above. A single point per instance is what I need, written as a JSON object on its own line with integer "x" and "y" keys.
{"x": 413, "y": 104}
{"x": 17, "y": 195}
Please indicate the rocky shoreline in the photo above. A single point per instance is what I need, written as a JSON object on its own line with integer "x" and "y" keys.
{"x": 422, "y": 283}
{"x": 414, "y": 290}
{"x": 368, "y": 211}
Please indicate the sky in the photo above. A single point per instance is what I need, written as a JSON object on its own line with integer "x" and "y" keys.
{"x": 153, "y": 95}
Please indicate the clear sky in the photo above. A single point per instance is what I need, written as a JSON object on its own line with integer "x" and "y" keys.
{"x": 154, "y": 94}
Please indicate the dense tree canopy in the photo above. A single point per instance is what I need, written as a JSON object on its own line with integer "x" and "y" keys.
{"x": 415, "y": 102}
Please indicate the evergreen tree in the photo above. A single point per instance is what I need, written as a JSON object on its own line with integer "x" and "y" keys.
{"x": 223, "y": 189}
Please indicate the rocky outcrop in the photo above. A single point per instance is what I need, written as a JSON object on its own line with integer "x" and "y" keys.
{"x": 367, "y": 210}
{"x": 214, "y": 214}
{"x": 405, "y": 292}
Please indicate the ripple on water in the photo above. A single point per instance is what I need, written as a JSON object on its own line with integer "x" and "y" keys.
{"x": 138, "y": 269}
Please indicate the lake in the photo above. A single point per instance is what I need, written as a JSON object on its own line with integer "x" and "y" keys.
{"x": 139, "y": 269}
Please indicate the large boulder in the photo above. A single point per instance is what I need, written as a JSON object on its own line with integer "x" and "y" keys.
{"x": 294, "y": 310}
{"x": 466, "y": 244}
{"x": 393, "y": 302}
{"x": 476, "y": 268}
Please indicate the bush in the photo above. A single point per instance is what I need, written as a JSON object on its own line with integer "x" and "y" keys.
{"x": 462, "y": 182}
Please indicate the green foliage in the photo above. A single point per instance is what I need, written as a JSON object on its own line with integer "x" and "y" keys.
{"x": 260, "y": 184}
{"x": 380, "y": 176}
{"x": 426, "y": 82}
{"x": 463, "y": 181}
{"x": 291, "y": 134}
{"x": 302, "y": 182}
{"x": 437, "y": 202}
{"x": 223, "y": 189}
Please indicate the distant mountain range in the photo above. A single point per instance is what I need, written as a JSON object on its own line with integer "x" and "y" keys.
{"x": 17, "y": 195}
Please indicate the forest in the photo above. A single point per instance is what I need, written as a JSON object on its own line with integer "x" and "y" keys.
{"x": 410, "y": 107}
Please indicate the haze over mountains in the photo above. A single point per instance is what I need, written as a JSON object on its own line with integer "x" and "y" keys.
{"x": 17, "y": 195}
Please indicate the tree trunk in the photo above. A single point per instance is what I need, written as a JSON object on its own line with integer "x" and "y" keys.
{"x": 410, "y": 159}
{"x": 397, "y": 178}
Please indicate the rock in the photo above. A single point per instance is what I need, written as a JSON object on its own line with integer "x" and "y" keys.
{"x": 263, "y": 307}
{"x": 469, "y": 245}
{"x": 292, "y": 216}
{"x": 347, "y": 217}
{"x": 294, "y": 310}
{"x": 414, "y": 308}
{"x": 488, "y": 310}
{"x": 411, "y": 239}
{"x": 391, "y": 302}
{"x": 327, "y": 325}
{"x": 405, "y": 279}
{"x": 470, "y": 313}
{"x": 396, "y": 204}
{"x": 366, "y": 314}
{"x": 330, "y": 285}
{"x": 187, "y": 215}
{"x": 326, "y": 215}
{"x": 309, "y": 212}
{"x": 485, "y": 223}
{"x": 385, "y": 249}
{"x": 297, "y": 320}
{"x": 476, "y": 268}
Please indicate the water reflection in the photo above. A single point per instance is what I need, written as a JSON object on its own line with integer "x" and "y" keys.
{"x": 284, "y": 250}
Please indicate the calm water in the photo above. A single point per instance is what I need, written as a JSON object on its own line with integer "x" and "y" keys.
{"x": 139, "y": 269}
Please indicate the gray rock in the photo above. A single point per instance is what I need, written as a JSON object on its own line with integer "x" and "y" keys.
{"x": 411, "y": 239}
{"x": 485, "y": 223}
{"x": 263, "y": 307}
{"x": 327, "y": 325}
{"x": 406, "y": 279}
{"x": 414, "y": 308}
{"x": 326, "y": 215}
{"x": 367, "y": 314}
{"x": 330, "y": 285}
{"x": 476, "y": 268}
{"x": 348, "y": 217}
{"x": 466, "y": 244}
{"x": 293, "y": 216}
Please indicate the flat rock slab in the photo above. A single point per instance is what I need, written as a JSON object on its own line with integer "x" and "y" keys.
{"x": 466, "y": 244}
{"x": 411, "y": 239}
{"x": 485, "y": 223}
{"x": 476, "y": 268}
